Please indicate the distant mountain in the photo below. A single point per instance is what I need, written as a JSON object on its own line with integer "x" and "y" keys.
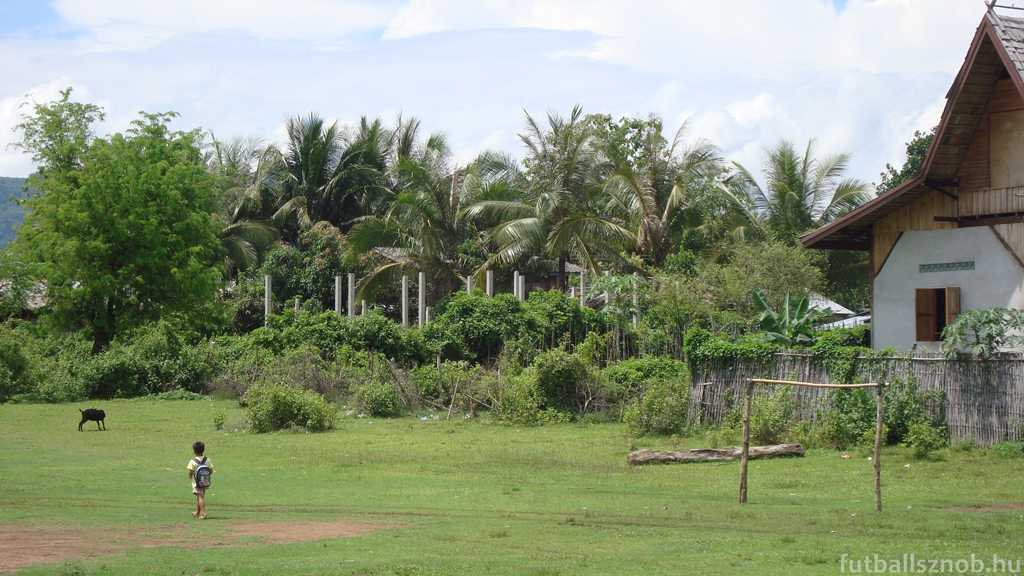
{"x": 10, "y": 213}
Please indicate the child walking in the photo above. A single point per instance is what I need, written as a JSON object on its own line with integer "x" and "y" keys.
{"x": 199, "y": 470}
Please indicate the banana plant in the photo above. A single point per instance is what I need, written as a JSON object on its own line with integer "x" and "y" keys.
{"x": 792, "y": 324}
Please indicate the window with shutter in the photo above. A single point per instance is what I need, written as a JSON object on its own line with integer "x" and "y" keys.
{"x": 935, "y": 308}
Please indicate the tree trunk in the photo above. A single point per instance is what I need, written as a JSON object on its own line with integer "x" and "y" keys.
{"x": 712, "y": 454}
{"x": 100, "y": 341}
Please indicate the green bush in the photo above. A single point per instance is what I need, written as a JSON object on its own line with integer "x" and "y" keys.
{"x": 479, "y": 326}
{"x": 660, "y": 410}
{"x": 274, "y": 406}
{"x": 771, "y": 417}
{"x": 1007, "y": 450}
{"x": 559, "y": 375}
{"x": 850, "y": 416}
{"x": 520, "y": 401}
{"x": 924, "y": 439}
{"x": 626, "y": 380}
{"x": 14, "y": 365}
{"x": 378, "y": 397}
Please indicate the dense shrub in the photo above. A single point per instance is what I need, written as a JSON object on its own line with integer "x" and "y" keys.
{"x": 626, "y": 380}
{"x": 378, "y": 397}
{"x": 661, "y": 409}
{"x": 274, "y": 406}
{"x": 1007, "y": 450}
{"x": 478, "y": 325}
{"x": 771, "y": 416}
{"x": 924, "y": 439}
{"x": 13, "y": 365}
{"x": 520, "y": 400}
{"x": 559, "y": 376}
{"x": 850, "y": 416}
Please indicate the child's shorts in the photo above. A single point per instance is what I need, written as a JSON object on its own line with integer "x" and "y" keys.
{"x": 198, "y": 490}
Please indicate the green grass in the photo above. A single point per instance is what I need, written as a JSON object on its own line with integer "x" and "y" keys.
{"x": 477, "y": 498}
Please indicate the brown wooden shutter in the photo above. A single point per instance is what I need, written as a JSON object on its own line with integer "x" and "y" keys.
{"x": 952, "y": 304}
{"x": 924, "y": 305}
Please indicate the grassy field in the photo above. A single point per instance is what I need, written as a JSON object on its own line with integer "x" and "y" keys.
{"x": 469, "y": 497}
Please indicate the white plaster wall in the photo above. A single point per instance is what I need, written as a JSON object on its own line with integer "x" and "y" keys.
{"x": 997, "y": 280}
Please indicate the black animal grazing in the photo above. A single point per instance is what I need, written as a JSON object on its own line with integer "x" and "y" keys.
{"x": 94, "y": 414}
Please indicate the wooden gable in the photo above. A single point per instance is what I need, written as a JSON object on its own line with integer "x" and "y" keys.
{"x": 971, "y": 171}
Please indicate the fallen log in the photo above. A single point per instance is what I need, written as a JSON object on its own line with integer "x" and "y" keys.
{"x": 713, "y": 454}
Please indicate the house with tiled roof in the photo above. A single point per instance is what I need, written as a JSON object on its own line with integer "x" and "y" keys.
{"x": 951, "y": 238}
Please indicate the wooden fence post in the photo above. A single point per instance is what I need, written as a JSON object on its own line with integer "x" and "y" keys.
{"x": 878, "y": 448}
{"x": 744, "y": 455}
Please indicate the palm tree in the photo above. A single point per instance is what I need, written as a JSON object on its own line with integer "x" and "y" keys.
{"x": 329, "y": 173}
{"x": 246, "y": 169}
{"x": 803, "y": 192}
{"x": 556, "y": 210}
{"x": 652, "y": 191}
{"x": 422, "y": 222}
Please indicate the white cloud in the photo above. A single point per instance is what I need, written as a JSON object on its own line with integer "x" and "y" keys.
{"x": 134, "y": 24}
{"x": 745, "y": 72}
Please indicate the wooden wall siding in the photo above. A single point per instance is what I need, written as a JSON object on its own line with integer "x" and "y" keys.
{"x": 918, "y": 215}
{"x": 983, "y": 400}
{"x": 975, "y": 171}
{"x": 1013, "y": 236}
{"x": 880, "y": 249}
{"x": 992, "y": 201}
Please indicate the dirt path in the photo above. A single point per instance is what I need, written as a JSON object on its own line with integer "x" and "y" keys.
{"x": 21, "y": 546}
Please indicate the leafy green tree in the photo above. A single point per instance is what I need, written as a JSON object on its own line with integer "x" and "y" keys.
{"x": 122, "y": 230}
{"x": 57, "y": 135}
{"x": 917, "y": 149}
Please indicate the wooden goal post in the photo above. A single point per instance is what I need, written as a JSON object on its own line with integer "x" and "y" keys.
{"x": 878, "y": 386}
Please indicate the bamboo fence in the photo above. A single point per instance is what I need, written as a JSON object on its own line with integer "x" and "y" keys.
{"x": 978, "y": 399}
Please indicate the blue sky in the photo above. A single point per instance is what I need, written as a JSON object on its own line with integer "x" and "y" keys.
{"x": 858, "y": 75}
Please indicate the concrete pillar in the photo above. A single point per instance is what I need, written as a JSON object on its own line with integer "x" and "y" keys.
{"x": 515, "y": 283}
{"x": 490, "y": 283}
{"x": 296, "y": 303}
{"x": 522, "y": 288}
{"x": 351, "y": 295}
{"x": 607, "y": 298}
{"x": 428, "y": 314}
{"x": 469, "y": 284}
{"x": 266, "y": 298}
{"x": 337, "y": 294}
{"x": 363, "y": 311}
{"x": 423, "y": 297}
{"x": 405, "y": 301}
{"x": 583, "y": 288}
